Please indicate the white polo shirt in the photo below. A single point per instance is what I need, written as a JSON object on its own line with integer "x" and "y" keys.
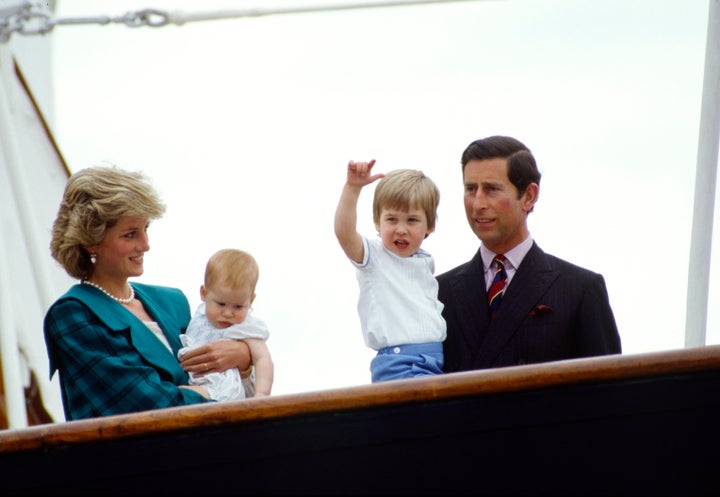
{"x": 398, "y": 301}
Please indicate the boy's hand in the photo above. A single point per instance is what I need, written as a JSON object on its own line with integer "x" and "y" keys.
{"x": 359, "y": 173}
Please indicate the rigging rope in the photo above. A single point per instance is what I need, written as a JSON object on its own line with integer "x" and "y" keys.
{"x": 28, "y": 18}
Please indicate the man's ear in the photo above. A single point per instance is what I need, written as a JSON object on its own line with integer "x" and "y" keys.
{"x": 530, "y": 196}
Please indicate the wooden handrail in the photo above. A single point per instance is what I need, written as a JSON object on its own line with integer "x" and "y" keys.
{"x": 455, "y": 385}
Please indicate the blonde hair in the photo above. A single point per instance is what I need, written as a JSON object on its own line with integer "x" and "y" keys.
{"x": 405, "y": 189}
{"x": 232, "y": 267}
{"x": 94, "y": 200}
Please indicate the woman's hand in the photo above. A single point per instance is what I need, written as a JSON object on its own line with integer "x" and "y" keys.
{"x": 216, "y": 357}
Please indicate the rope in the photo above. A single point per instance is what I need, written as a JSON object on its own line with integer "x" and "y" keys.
{"x": 28, "y": 18}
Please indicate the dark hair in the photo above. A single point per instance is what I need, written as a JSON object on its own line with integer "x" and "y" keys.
{"x": 522, "y": 168}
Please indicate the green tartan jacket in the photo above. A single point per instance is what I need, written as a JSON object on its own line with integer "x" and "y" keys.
{"x": 108, "y": 361}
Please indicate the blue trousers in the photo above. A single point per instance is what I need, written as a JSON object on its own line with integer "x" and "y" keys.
{"x": 407, "y": 361}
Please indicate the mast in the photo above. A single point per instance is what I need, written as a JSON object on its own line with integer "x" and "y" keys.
{"x": 705, "y": 178}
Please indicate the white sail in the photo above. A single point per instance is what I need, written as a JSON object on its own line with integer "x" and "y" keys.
{"x": 32, "y": 178}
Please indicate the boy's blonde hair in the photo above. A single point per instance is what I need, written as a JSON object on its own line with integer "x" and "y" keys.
{"x": 404, "y": 189}
{"x": 232, "y": 267}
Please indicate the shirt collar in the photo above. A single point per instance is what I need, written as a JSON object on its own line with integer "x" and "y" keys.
{"x": 514, "y": 256}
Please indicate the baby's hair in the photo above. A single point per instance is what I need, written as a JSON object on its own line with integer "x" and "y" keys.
{"x": 232, "y": 267}
{"x": 405, "y": 189}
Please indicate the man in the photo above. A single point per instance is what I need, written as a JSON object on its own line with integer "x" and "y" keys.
{"x": 549, "y": 309}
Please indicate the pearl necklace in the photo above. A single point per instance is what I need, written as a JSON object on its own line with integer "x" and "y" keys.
{"x": 116, "y": 299}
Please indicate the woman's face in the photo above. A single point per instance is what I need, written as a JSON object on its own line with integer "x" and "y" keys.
{"x": 120, "y": 254}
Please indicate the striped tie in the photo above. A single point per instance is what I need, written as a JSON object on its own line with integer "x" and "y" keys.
{"x": 495, "y": 293}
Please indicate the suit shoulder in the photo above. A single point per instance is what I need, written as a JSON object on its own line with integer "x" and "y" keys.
{"x": 563, "y": 265}
{"x": 454, "y": 272}
{"x": 158, "y": 291}
{"x": 66, "y": 306}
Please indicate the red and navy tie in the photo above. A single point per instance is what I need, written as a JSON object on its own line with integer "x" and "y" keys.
{"x": 497, "y": 288}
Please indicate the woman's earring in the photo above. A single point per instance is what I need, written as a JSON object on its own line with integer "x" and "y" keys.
{"x": 93, "y": 258}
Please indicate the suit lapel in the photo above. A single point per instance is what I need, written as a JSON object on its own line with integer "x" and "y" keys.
{"x": 529, "y": 284}
{"x": 159, "y": 313}
{"x": 117, "y": 318}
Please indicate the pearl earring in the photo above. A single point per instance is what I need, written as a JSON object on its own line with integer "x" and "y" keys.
{"x": 93, "y": 258}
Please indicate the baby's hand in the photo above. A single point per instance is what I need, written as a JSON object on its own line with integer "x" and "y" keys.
{"x": 359, "y": 173}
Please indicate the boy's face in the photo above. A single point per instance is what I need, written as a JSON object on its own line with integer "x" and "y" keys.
{"x": 225, "y": 306}
{"x": 402, "y": 232}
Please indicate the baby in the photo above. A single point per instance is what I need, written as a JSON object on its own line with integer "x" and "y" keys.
{"x": 227, "y": 294}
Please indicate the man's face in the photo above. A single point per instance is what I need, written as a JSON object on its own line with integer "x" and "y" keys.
{"x": 495, "y": 210}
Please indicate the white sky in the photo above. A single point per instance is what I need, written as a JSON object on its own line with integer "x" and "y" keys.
{"x": 246, "y": 126}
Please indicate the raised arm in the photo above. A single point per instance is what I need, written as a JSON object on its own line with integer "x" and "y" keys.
{"x": 358, "y": 175}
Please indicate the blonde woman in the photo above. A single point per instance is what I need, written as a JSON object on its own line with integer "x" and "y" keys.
{"x": 114, "y": 343}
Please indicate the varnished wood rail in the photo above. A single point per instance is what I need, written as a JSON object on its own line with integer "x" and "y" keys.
{"x": 473, "y": 383}
{"x": 633, "y": 424}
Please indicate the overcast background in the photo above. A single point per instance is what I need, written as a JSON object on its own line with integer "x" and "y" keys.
{"x": 246, "y": 126}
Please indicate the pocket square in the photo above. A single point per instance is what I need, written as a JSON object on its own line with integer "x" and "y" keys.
{"x": 541, "y": 309}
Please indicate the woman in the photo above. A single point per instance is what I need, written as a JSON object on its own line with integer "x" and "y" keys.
{"x": 115, "y": 344}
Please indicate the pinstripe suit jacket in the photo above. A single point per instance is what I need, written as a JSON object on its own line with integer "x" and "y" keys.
{"x": 109, "y": 362}
{"x": 551, "y": 310}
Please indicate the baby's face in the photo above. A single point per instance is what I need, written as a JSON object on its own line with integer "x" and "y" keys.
{"x": 225, "y": 306}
